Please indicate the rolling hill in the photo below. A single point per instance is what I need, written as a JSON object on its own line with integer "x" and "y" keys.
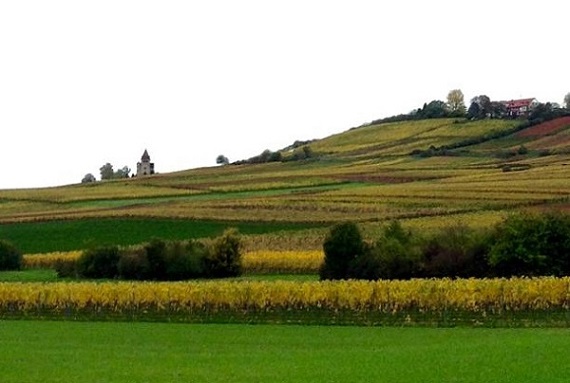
{"x": 425, "y": 173}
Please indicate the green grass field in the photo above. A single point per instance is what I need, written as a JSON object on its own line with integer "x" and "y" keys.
{"x": 36, "y": 351}
{"x": 44, "y": 237}
{"x": 33, "y": 275}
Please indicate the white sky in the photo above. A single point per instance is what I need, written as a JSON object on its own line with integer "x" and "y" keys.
{"x": 83, "y": 83}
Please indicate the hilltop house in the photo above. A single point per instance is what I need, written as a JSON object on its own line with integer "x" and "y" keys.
{"x": 522, "y": 107}
{"x": 145, "y": 167}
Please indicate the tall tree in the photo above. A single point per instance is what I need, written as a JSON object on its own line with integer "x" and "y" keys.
{"x": 456, "y": 102}
{"x": 567, "y": 101}
{"x": 106, "y": 171}
{"x": 474, "y": 111}
{"x": 485, "y": 107}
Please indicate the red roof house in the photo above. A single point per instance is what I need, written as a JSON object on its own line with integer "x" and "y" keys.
{"x": 520, "y": 107}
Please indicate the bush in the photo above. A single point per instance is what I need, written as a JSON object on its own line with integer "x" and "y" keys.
{"x": 10, "y": 257}
{"x": 66, "y": 268}
{"x": 532, "y": 245}
{"x": 223, "y": 259}
{"x": 100, "y": 262}
{"x": 342, "y": 246}
{"x": 155, "y": 253}
{"x": 456, "y": 251}
{"x": 397, "y": 253}
{"x": 133, "y": 264}
{"x": 185, "y": 260}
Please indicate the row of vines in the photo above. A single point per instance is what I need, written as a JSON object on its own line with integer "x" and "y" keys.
{"x": 439, "y": 302}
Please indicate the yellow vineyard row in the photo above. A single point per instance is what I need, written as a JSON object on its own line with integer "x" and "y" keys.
{"x": 466, "y": 295}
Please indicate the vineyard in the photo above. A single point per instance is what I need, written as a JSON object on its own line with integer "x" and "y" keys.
{"x": 426, "y": 174}
{"x": 498, "y": 302}
{"x": 366, "y": 174}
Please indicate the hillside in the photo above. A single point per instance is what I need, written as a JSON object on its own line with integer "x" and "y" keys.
{"x": 366, "y": 174}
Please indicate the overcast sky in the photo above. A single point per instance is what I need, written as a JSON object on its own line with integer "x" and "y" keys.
{"x": 83, "y": 83}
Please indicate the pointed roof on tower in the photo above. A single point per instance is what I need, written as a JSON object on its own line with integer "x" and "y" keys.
{"x": 145, "y": 157}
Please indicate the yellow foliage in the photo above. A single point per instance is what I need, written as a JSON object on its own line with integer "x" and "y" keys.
{"x": 290, "y": 262}
{"x": 48, "y": 260}
{"x": 493, "y": 296}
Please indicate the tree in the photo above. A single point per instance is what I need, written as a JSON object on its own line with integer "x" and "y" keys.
{"x": 456, "y": 102}
{"x": 88, "y": 178}
{"x": 222, "y": 160}
{"x": 435, "y": 109}
{"x": 567, "y": 101}
{"x": 485, "y": 107}
{"x": 122, "y": 173}
{"x": 106, "y": 171}
{"x": 542, "y": 112}
{"x": 498, "y": 109}
{"x": 474, "y": 111}
{"x": 342, "y": 246}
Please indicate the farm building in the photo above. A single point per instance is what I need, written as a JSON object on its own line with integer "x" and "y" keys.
{"x": 516, "y": 108}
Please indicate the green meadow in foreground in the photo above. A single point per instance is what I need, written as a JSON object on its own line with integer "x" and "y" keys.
{"x": 37, "y": 351}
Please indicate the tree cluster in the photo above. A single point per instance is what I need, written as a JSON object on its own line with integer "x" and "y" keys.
{"x": 160, "y": 260}
{"x": 521, "y": 245}
{"x": 481, "y": 107}
{"x": 299, "y": 153}
{"x": 107, "y": 172}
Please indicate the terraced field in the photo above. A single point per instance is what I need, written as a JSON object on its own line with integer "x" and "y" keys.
{"x": 366, "y": 175}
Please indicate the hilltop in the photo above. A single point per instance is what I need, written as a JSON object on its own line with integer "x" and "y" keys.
{"x": 425, "y": 173}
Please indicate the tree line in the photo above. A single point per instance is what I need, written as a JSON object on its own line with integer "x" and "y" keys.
{"x": 521, "y": 245}
{"x": 108, "y": 173}
{"x": 480, "y": 107}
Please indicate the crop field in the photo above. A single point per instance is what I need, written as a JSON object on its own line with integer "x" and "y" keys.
{"x": 89, "y": 352}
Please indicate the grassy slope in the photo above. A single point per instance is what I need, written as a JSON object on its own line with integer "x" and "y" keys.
{"x": 365, "y": 174}
{"x": 47, "y": 352}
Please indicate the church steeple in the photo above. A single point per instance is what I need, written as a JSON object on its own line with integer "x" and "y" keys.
{"x": 145, "y": 157}
{"x": 145, "y": 167}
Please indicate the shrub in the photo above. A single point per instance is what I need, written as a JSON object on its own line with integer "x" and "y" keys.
{"x": 556, "y": 243}
{"x": 532, "y": 245}
{"x": 395, "y": 254}
{"x": 155, "y": 253}
{"x": 100, "y": 262}
{"x": 223, "y": 259}
{"x": 10, "y": 257}
{"x": 66, "y": 268}
{"x": 133, "y": 264}
{"x": 185, "y": 260}
{"x": 456, "y": 251}
{"x": 342, "y": 246}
